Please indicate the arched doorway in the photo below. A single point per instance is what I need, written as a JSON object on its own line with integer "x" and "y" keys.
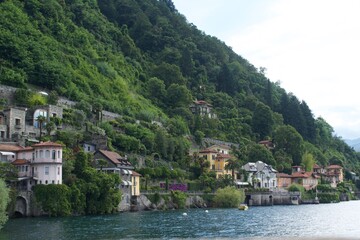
{"x": 20, "y": 207}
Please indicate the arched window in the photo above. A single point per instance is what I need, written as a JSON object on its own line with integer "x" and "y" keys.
{"x": 53, "y": 154}
{"x": 59, "y": 154}
{"x": 41, "y": 154}
{"x": 37, "y": 113}
{"x": 47, "y": 153}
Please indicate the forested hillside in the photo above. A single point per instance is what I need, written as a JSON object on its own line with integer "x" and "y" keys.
{"x": 142, "y": 59}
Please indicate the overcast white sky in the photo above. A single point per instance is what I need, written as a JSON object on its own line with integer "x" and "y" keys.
{"x": 311, "y": 46}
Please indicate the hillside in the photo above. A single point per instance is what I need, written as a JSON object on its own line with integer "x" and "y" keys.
{"x": 142, "y": 59}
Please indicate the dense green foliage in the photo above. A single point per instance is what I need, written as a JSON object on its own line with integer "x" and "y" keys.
{"x": 53, "y": 198}
{"x": 143, "y": 60}
{"x": 179, "y": 198}
{"x": 4, "y": 200}
{"x": 228, "y": 197}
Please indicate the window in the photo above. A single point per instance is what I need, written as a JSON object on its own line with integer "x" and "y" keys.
{"x": 59, "y": 154}
{"x": 26, "y": 168}
{"x": 46, "y": 170}
{"x": 47, "y": 153}
{"x": 2, "y": 134}
{"x": 53, "y": 181}
{"x": 46, "y": 182}
{"x": 58, "y": 170}
{"x": 37, "y": 113}
{"x": 53, "y": 154}
{"x": 41, "y": 153}
{"x": 17, "y": 121}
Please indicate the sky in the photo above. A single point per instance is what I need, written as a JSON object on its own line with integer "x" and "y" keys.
{"x": 312, "y": 47}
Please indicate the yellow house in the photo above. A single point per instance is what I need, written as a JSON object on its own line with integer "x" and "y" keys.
{"x": 135, "y": 188}
{"x": 217, "y": 157}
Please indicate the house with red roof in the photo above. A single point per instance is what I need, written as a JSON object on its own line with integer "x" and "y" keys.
{"x": 334, "y": 175}
{"x": 218, "y": 156}
{"x": 39, "y": 164}
{"x": 202, "y": 108}
{"x": 112, "y": 162}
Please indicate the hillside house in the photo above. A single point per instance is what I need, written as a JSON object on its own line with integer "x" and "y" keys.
{"x": 284, "y": 180}
{"x": 39, "y": 164}
{"x": 334, "y": 175}
{"x": 112, "y": 162}
{"x": 217, "y": 156}
{"x": 261, "y": 175}
{"x": 202, "y": 108}
{"x": 18, "y": 124}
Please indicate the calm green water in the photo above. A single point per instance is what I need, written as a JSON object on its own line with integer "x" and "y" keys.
{"x": 340, "y": 220}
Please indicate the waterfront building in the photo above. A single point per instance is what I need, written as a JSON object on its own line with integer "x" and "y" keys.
{"x": 112, "y": 162}
{"x": 334, "y": 175}
{"x": 218, "y": 156}
{"x": 39, "y": 164}
{"x": 283, "y": 180}
{"x": 261, "y": 175}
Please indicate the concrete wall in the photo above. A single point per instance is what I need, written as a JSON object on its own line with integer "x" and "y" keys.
{"x": 272, "y": 198}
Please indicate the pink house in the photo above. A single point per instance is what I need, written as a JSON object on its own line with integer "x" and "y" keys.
{"x": 38, "y": 164}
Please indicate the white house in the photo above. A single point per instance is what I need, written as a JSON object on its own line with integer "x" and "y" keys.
{"x": 39, "y": 164}
{"x": 261, "y": 175}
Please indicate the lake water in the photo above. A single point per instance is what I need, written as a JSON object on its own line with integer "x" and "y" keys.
{"x": 338, "y": 220}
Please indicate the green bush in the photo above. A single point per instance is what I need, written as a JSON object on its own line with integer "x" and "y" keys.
{"x": 4, "y": 200}
{"x": 179, "y": 198}
{"x": 228, "y": 197}
{"x": 53, "y": 198}
{"x": 328, "y": 197}
{"x": 296, "y": 188}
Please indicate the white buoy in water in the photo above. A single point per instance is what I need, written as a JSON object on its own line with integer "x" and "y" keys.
{"x": 206, "y": 211}
{"x": 184, "y": 214}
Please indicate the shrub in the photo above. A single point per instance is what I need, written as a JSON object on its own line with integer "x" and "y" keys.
{"x": 328, "y": 197}
{"x": 179, "y": 198}
{"x": 54, "y": 199}
{"x": 4, "y": 200}
{"x": 228, "y": 197}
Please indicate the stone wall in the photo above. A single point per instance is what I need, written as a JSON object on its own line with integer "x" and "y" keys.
{"x": 7, "y": 93}
{"x": 272, "y": 198}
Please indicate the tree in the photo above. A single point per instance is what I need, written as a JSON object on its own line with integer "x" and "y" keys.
{"x": 4, "y": 200}
{"x": 308, "y": 161}
{"x": 262, "y": 121}
{"x": 232, "y": 164}
{"x": 41, "y": 120}
{"x": 228, "y": 197}
{"x": 257, "y": 152}
{"x": 286, "y": 138}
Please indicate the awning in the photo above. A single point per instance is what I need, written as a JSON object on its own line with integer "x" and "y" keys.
{"x": 241, "y": 183}
{"x": 124, "y": 171}
{"x": 130, "y": 172}
{"x": 126, "y": 183}
{"x": 7, "y": 153}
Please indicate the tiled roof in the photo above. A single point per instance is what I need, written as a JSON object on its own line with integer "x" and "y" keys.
{"x": 112, "y": 156}
{"x": 221, "y": 155}
{"x": 201, "y": 102}
{"x": 316, "y": 166}
{"x": 136, "y": 174}
{"x": 334, "y": 167}
{"x": 283, "y": 175}
{"x": 20, "y": 162}
{"x": 10, "y": 147}
{"x": 301, "y": 174}
{"x": 47, "y": 144}
{"x": 207, "y": 151}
